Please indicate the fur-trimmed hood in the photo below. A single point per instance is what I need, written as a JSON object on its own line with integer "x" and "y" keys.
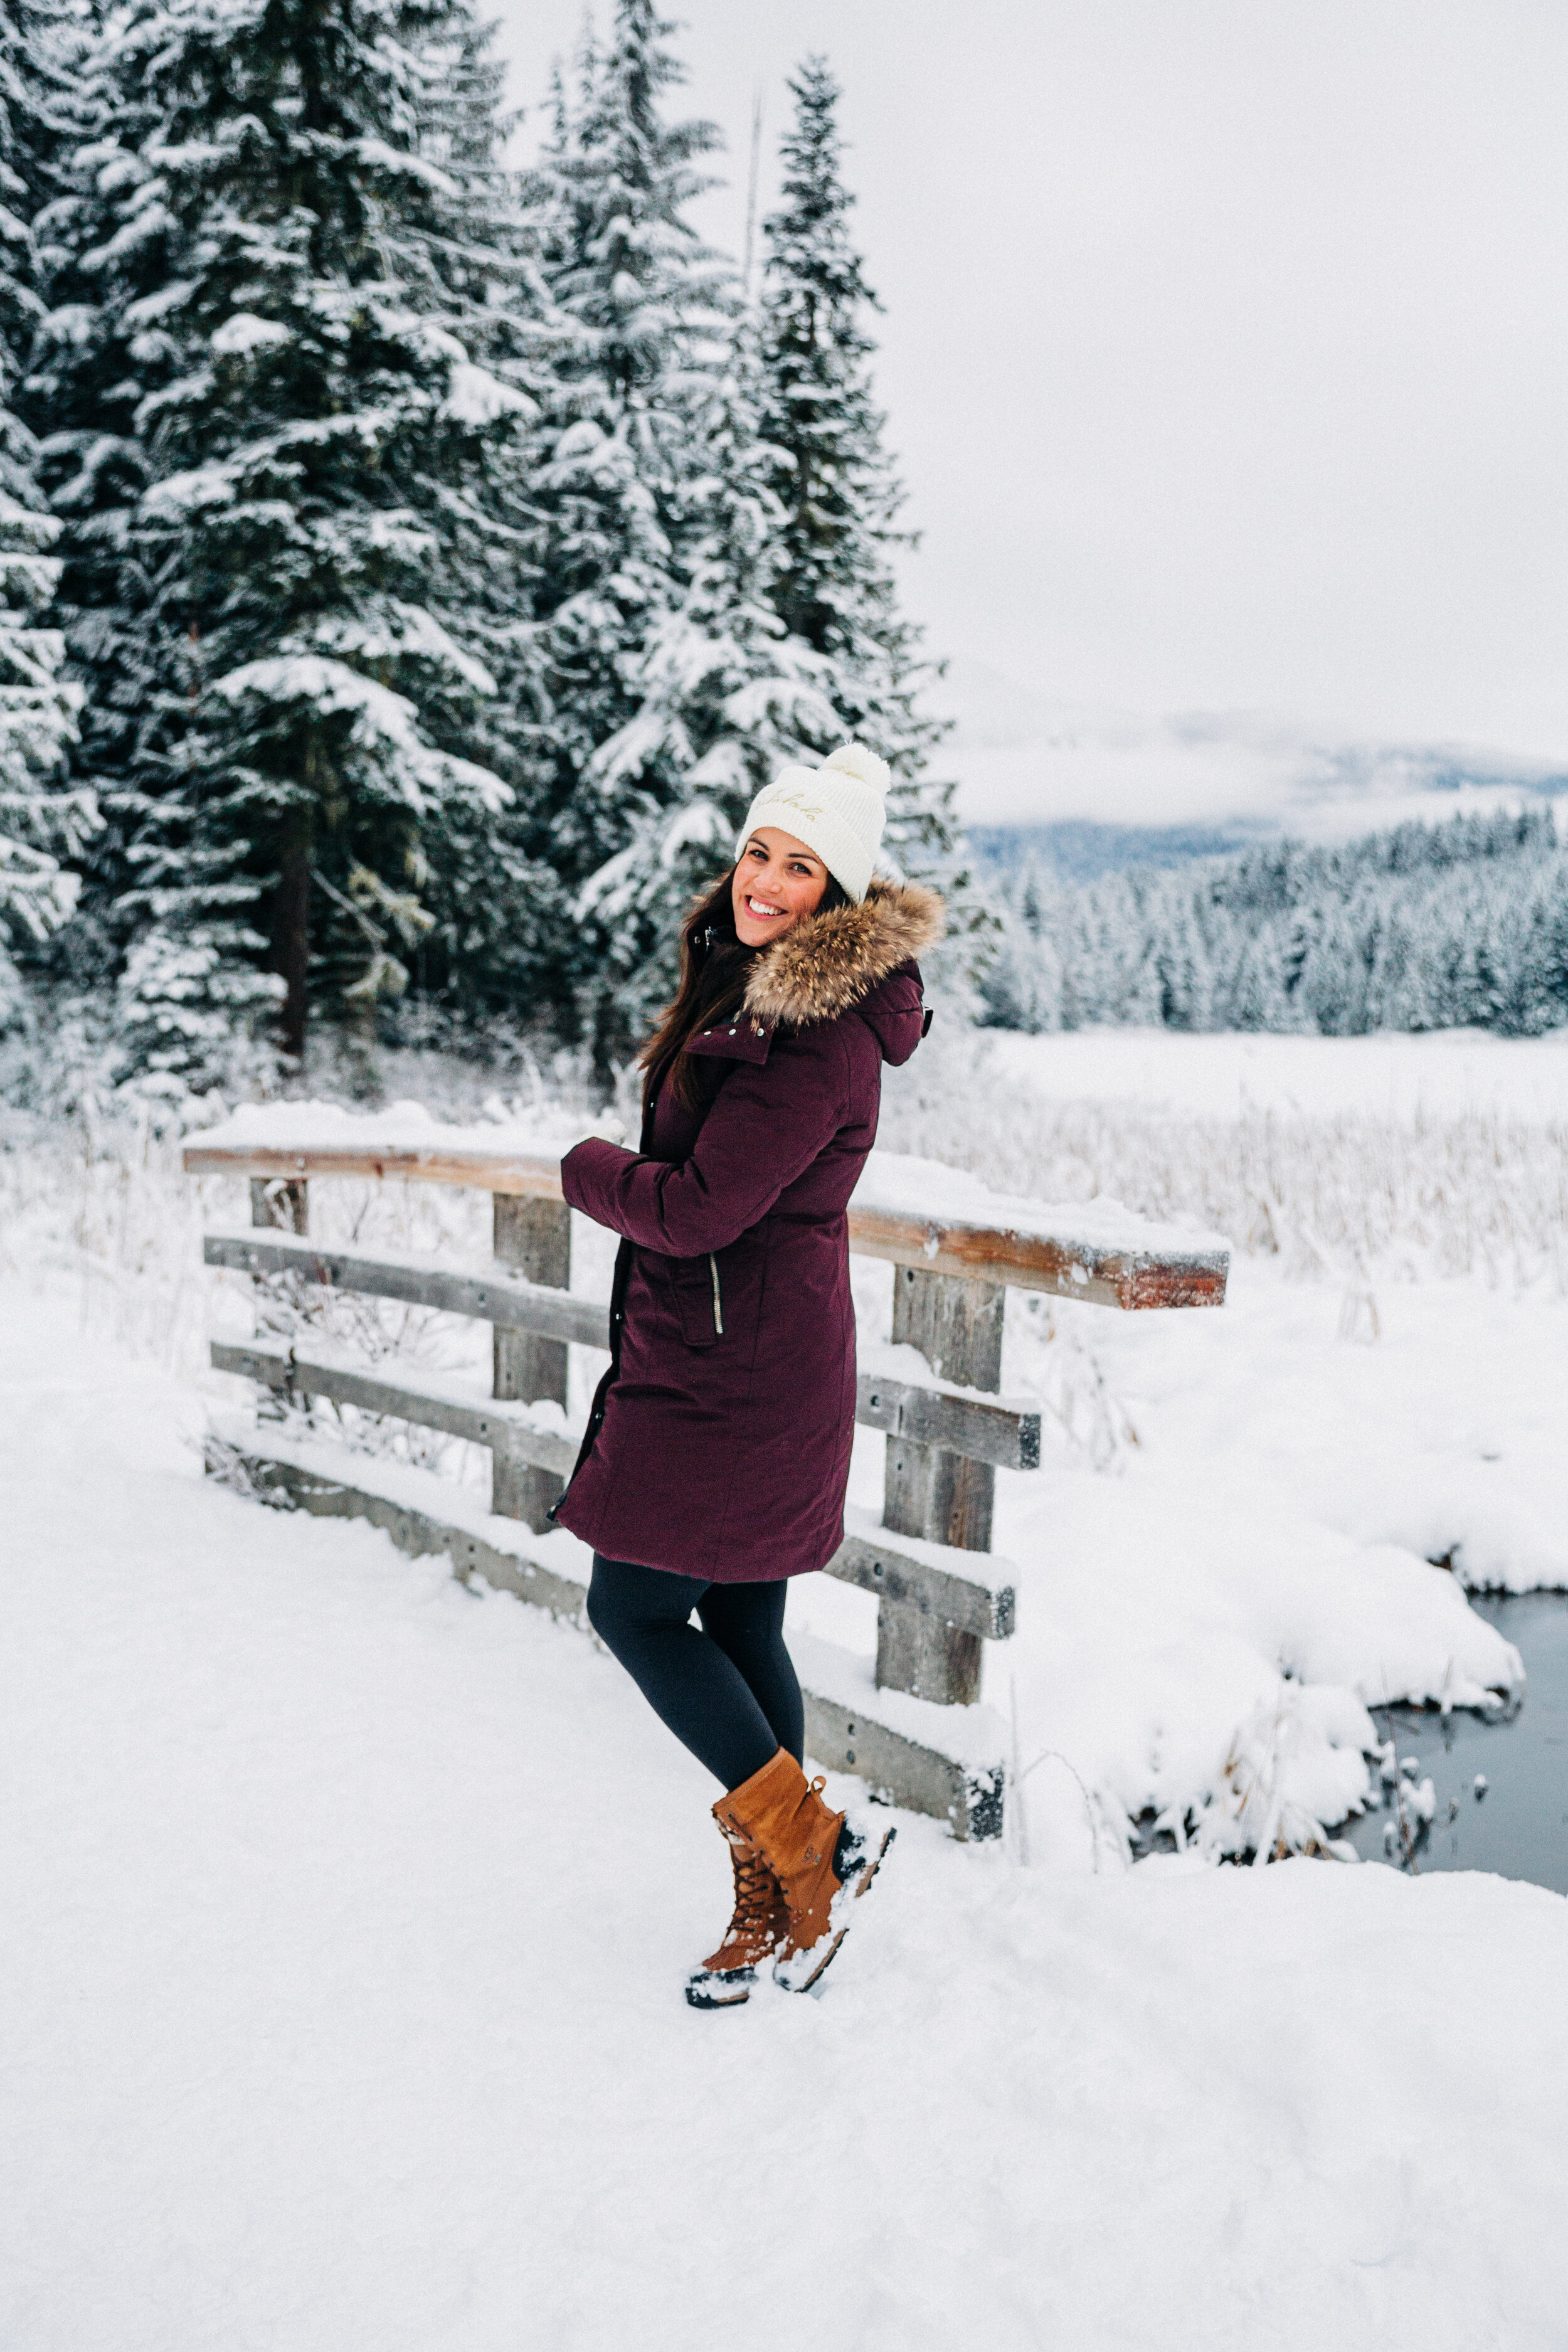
{"x": 826, "y": 963}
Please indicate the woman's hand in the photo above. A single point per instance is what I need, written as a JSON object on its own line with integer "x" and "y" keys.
{"x": 607, "y": 1128}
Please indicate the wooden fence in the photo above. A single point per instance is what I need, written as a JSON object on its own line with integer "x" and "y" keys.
{"x": 940, "y": 1593}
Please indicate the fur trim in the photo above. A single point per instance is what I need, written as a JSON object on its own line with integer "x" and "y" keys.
{"x": 825, "y": 963}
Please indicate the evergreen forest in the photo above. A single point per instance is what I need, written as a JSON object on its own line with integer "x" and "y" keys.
{"x": 413, "y": 559}
{"x": 1451, "y": 926}
{"x": 417, "y": 546}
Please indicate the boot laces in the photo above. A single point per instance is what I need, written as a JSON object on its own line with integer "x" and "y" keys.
{"x": 755, "y": 1887}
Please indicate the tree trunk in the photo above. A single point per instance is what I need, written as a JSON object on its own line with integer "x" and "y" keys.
{"x": 291, "y": 940}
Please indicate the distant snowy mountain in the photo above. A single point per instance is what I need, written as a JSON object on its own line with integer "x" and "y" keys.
{"x": 1194, "y": 782}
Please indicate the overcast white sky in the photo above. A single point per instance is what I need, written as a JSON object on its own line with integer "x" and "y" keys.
{"x": 1225, "y": 348}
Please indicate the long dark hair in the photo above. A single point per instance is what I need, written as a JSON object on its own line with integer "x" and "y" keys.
{"x": 714, "y": 968}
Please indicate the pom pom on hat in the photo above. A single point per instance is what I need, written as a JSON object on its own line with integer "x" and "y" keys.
{"x": 855, "y": 759}
{"x": 838, "y": 810}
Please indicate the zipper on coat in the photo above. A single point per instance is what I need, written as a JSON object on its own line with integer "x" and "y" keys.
{"x": 718, "y": 1301}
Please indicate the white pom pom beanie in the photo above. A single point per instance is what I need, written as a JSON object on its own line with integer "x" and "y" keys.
{"x": 839, "y": 810}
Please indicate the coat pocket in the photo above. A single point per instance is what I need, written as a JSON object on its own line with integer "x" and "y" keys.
{"x": 699, "y": 1286}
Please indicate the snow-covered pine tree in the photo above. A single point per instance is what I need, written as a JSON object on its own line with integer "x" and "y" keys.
{"x": 1523, "y": 926}
{"x": 1254, "y": 995}
{"x": 1022, "y": 984}
{"x": 1333, "y": 988}
{"x": 42, "y": 818}
{"x": 835, "y": 483}
{"x": 80, "y": 394}
{"x": 1186, "y": 981}
{"x": 780, "y": 640}
{"x": 726, "y": 699}
{"x": 1397, "y": 989}
{"x": 668, "y": 686}
{"x": 293, "y": 308}
{"x": 500, "y": 909}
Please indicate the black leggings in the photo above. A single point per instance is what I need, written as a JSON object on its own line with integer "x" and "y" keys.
{"x": 728, "y": 1692}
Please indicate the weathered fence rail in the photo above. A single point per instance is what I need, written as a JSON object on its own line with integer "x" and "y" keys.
{"x": 940, "y": 1593}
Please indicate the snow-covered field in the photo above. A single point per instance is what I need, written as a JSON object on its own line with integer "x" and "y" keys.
{"x": 346, "y": 1920}
{"x": 1445, "y": 1075}
{"x": 347, "y": 1913}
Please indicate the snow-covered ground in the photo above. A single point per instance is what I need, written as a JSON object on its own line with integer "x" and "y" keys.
{"x": 345, "y": 1918}
{"x": 1446, "y": 1074}
{"x": 347, "y": 1913}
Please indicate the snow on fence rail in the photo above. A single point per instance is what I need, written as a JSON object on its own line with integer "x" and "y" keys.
{"x": 915, "y": 1731}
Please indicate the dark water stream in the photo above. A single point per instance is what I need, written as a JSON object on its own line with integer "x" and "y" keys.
{"x": 1516, "y": 1821}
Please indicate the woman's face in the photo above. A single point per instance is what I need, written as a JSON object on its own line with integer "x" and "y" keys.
{"x": 777, "y": 880}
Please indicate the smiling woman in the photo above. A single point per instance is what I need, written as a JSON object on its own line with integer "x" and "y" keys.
{"x": 717, "y": 1453}
{"x": 777, "y": 880}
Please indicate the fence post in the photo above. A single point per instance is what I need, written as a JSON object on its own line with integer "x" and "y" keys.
{"x": 944, "y": 1497}
{"x": 533, "y": 1236}
{"x": 280, "y": 1201}
{"x": 277, "y": 1200}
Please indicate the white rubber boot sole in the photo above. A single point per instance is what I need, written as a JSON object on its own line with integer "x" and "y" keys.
{"x": 800, "y": 1972}
{"x": 715, "y": 1988}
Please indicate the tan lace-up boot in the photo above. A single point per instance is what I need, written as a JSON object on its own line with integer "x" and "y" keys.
{"x": 757, "y": 1929}
{"x": 820, "y": 1859}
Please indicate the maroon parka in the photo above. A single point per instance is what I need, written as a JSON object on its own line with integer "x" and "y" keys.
{"x": 718, "y": 1443}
